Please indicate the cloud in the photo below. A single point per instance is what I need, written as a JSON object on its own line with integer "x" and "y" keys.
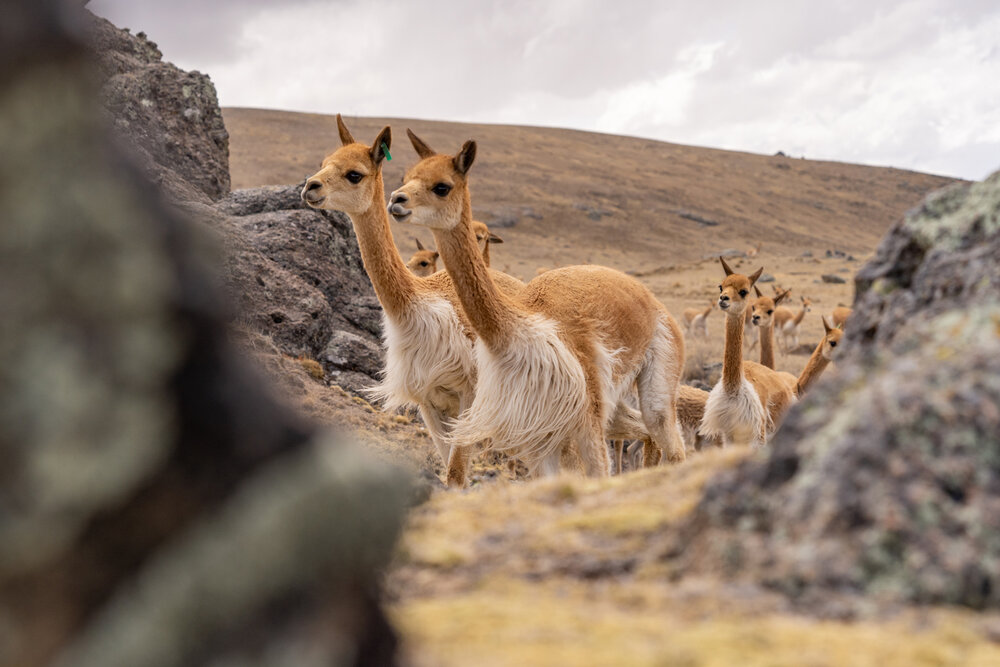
{"x": 904, "y": 82}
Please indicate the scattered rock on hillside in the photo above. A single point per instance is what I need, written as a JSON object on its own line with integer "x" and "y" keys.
{"x": 832, "y": 278}
{"x": 766, "y": 278}
{"x": 157, "y": 507}
{"x": 885, "y": 479}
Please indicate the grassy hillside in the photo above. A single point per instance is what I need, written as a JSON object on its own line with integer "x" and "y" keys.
{"x": 575, "y": 197}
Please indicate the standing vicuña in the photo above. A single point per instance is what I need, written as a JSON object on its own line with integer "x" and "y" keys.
{"x": 696, "y": 321}
{"x": 747, "y": 403}
{"x": 786, "y": 324}
{"x": 555, "y": 360}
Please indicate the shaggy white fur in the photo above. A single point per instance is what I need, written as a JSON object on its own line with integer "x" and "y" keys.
{"x": 428, "y": 363}
{"x": 657, "y": 387}
{"x": 737, "y": 420}
{"x": 530, "y": 400}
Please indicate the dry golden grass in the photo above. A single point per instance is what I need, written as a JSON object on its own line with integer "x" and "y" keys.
{"x": 559, "y": 572}
{"x": 568, "y": 622}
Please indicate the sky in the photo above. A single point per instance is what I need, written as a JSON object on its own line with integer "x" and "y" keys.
{"x": 913, "y": 84}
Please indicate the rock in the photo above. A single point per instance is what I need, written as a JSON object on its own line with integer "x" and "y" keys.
{"x": 885, "y": 479}
{"x": 766, "y": 278}
{"x": 728, "y": 253}
{"x": 832, "y": 278}
{"x": 158, "y": 507}
{"x": 292, "y": 273}
{"x": 348, "y": 352}
{"x": 807, "y": 253}
{"x": 171, "y": 117}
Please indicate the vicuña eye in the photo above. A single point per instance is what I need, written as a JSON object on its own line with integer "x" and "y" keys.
{"x": 833, "y": 343}
{"x": 354, "y": 177}
{"x": 769, "y": 312}
{"x": 424, "y": 263}
{"x": 441, "y": 189}
{"x": 743, "y": 292}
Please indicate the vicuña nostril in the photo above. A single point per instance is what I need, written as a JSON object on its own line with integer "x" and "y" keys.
{"x": 400, "y": 198}
{"x": 312, "y": 185}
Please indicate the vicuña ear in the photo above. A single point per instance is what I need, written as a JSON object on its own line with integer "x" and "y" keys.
{"x": 376, "y": 151}
{"x": 725, "y": 267}
{"x": 463, "y": 161}
{"x": 436, "y": 254}
{"x": 420, "y": 246}
{"x": 755, "y": 275}
{"x": 419, "y": 145}
{"x": 493, "y": 238}
{"x": 781, "y": 297}
{"x": 826, "y": 326}
{"x": 345, "y": 134}
{"x": 757, "y": 291}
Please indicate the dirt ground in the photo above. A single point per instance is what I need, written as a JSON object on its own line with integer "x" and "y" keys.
{"x": 568, "y": 571}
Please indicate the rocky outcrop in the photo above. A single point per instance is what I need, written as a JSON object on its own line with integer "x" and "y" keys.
{"x": 170, "y": 117}
{"x": 885, "y": 479}
{"x": 157, "y": 507}
{"x": 292, "y": 273}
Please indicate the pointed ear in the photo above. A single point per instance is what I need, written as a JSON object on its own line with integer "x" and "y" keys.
{"x": 493, "y": 238}
{"x": 725, "y": 267}
{"x": 419, "y": 145}
{"x": 345, "y": 134}
{"x": 436, "y": 255}
{"x": 757, "y": 291}
{"x": 420, "y": 246}
{"x": 826, "y": 325}
{"x": 463, "y": 161}
{"x": 755, "y": 275}
{"x": 376, "y": 151}
{"x": 781, "y": 297}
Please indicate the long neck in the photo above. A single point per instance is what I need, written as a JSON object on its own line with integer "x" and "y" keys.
{"x": 732, "y": 362}
{"x": 486, "y": 254}
{"x": 394, "y": 285}
{"x": 800, "y": 315}
{"x": 492, "y": 315}
{"x": 767, "y": 346}
{"x": 814, "y": 367}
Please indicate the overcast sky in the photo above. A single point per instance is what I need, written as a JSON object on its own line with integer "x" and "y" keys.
{"x": 908, "y": 83}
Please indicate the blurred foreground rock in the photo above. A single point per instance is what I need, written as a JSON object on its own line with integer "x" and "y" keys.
{"x": 157, "y": 507}
{"x": 885, "y": 479}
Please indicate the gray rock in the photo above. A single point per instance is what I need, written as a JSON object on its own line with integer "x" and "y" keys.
{"x": 766, "y": 278}
{"x": 885, "y": 479}
{"x": 832, "y": 278}
{"x": 348, "y": 352}
{"x": 171, "y": 117}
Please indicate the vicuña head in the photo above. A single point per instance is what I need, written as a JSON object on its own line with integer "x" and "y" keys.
{"x": 762, "y": 308}
{"x": 349, "y": 176}
{"x": 434, "y": 191}
{"x": 423, "y": 262}
{"x": 735, "y": 290}
{"x": 831, "y": 340}
{"x": 484, "y": 236}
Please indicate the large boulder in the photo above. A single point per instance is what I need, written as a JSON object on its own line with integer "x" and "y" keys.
{"x": 169, "y": 116}
{"x": 885, "y": 479}
{"x": 292, "y": 273}
{"x": 157, "y": 506}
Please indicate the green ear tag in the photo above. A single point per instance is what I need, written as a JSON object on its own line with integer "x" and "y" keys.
{"x": 385, "y": 151}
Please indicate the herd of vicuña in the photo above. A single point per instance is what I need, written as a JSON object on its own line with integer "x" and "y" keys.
{"x": 552, "y": 369}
